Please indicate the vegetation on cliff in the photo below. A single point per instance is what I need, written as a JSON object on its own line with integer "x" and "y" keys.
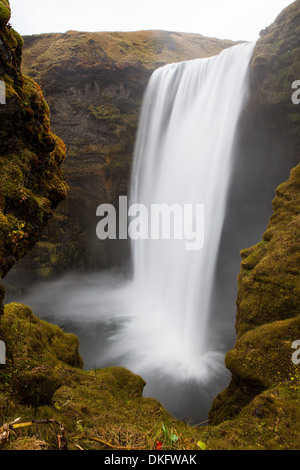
{"x": 268, "y": 300}
{"x": 31, "y": 182}
{"x": 99, "y": 409}
{"x": 55, "y": 404}
{"x": 267, "y": 324}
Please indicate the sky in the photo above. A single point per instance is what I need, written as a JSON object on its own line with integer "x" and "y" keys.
{"x": 224, "y": 19}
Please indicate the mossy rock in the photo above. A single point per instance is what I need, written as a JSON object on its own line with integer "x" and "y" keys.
{"x": 37, "y": 386}
{"x": 18, "y": 38}
{"x": 108, "y": 403}
{"x": 44, "y": 341}
{"x": 275, "y": 66}
{"x": 268, "y": 308}
{"x": 264, "y": 354}
{"x": 269, "y": 277}
{"x": 31, "y": 182}
{"x": 123, "y": 380}
{"x": 4, "y": 12}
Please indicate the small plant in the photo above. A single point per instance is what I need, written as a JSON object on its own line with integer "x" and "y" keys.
{"x": 201, "y": 445}
{"x": 170, "y": 436}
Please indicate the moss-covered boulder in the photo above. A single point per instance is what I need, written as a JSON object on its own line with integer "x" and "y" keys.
{"x": 44, "y": 342}
{"x": 37, "y": 386}
{"x": 122, "y": 379}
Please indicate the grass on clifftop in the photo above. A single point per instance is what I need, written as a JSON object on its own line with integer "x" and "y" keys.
{"x": 147, "y": 49}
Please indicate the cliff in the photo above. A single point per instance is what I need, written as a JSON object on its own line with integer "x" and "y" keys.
{"x": 31, "y": 180}
{"x": 268, "y": 299}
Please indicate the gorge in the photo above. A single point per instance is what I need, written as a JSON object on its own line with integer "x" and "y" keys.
{"x": 262, "y": 139}
{"x": 164, "y": 333}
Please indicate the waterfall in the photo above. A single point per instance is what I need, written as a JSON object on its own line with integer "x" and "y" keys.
{"x": 157, "y": 322}
{"x": 183, "y": 156}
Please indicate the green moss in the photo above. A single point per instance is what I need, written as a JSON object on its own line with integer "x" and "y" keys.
{"x": 102, "y": 112}
{"x": 269, "y": 276}
{"x": 18, "y": 37}
{"x": 4, "y": 12}
{"x": 39, "y": 381}
{"x": 43, "y": 379}
{"x": 268, "y": 309}
{"x": 269, "y": 422}
{"x": 123, "y": 380}
{"x": 264, "y": 354}
{"x": 252, "y": 256}
{"x": 37, "y": 336}
{"x": 36, "y": 387}
{"x": 275, "y": 62}
{"x": 31, "y": 181}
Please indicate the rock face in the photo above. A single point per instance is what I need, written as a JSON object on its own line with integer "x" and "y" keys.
{"x": 268, "y": 300}
{"x": 31, "y": 182}
{"x": 268, "y": 308}
{"x": 94, "y": 84}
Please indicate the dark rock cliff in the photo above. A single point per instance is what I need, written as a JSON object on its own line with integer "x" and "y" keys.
{"x": 268, "y": 299}
{"x": 31, "y": 181}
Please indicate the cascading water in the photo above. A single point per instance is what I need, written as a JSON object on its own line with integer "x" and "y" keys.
{"x": 157, "y": 324}
{"x": 184, "y": 156}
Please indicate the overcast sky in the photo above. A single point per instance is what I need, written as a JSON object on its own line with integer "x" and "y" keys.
{"x": 225, "y": 19}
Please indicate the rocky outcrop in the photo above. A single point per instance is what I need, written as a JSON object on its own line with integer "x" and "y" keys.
{"x": 268, "y": 309}
{"x": 31, "y": 181}
{"x": 268, "y": 300}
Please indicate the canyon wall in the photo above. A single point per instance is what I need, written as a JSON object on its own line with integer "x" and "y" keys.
{"x": 31, "y": 180}
{"x": 268, "y": 297}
